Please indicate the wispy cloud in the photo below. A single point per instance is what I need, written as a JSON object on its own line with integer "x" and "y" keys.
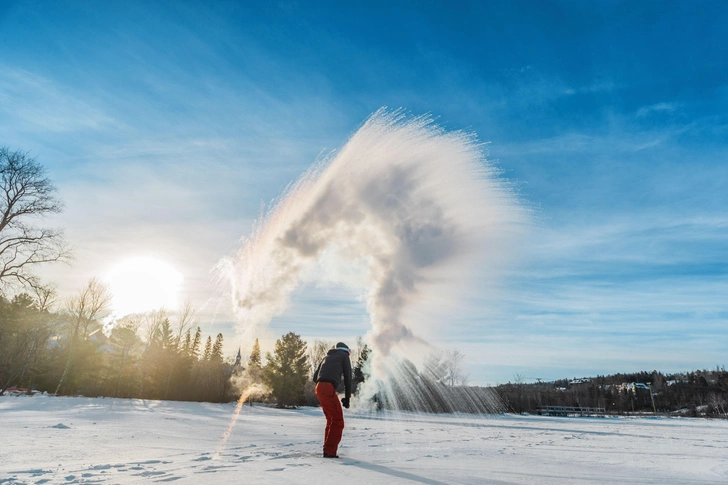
{"x": 619, "y": 139}
{"x": 657, "y": 108}
{"x": 601, "y": 85}
{"x": 29, "y": 102}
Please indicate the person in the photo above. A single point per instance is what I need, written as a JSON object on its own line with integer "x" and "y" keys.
{"x": 327, "y": 378}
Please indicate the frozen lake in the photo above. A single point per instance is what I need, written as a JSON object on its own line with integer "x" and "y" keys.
{"x": 82, "y": 440}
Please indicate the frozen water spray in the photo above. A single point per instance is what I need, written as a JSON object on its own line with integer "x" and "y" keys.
{"x": 253, "y": 390}
{"x": 416, "y": 209}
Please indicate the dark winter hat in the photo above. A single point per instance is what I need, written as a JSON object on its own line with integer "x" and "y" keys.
{"x": 343, "y": 346}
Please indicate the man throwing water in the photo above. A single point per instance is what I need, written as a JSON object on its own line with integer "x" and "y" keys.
{"x": 327, "y": 378}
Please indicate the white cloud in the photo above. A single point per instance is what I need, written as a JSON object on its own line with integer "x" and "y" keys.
{"x": 657, "y": 108}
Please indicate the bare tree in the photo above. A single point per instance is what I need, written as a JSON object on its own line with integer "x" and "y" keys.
{"x": 45, "y": 297}
{"x": 446, "y": 367}
{"x": 453, "y": 365}
{"x": 83, "y": 310}
{"x": 519, "y": 380}
{"x": 186, "y": 318}
{"x": 434, "y": 367}
{"x": 152, "y": 323}
{"x": 26, "y": 193}
{"x": 317, "y": 352}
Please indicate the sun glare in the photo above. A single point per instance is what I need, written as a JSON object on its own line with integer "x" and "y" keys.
{"x": 141, "y": 284}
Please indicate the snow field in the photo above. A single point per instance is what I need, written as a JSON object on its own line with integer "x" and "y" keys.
{"x": 82, "y": 440}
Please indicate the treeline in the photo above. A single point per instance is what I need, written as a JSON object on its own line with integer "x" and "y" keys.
{"x": 148, "y": 356}
{"x": 439, "y": 387}
{"x": 156, "y": 355}
{"x": 697, "y": 393}
{"x": 286, "y": 376}
{"x": 159, "y": 355}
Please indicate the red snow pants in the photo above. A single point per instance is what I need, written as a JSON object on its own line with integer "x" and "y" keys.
{"x": 326, "y": 394}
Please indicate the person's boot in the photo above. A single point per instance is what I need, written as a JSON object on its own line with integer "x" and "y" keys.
{"x": 326, "y": 455}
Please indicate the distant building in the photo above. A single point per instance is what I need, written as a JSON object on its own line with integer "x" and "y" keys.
{"x": 632, "y": 387}
{"x": 583, "y": 380}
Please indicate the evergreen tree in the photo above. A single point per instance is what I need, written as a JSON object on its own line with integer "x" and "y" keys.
{"x": 187, "y": 345}
{"x": 24, "y": 334}
{"x": 195, "y": 349}
{"x": 123, "y": 341}
{"x": 286, "y": 371}
{"x": 359, "y": 376}
{"x": 255, "y": 369}
{"x": 167, "y": 336}
{"x": 216, "y": 354}
{"x": 208, "y": 349}
{"x": 171, "y": 369}
{"x": 254, "y": 360}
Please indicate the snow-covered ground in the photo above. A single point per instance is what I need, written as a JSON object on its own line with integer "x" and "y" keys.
{"x": 80, "y": 440}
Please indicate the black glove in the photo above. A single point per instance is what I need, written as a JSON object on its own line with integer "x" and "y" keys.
{"x": 345, "y": 402}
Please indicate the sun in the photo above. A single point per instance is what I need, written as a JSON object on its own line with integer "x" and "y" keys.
{"x": 140, "y": 284}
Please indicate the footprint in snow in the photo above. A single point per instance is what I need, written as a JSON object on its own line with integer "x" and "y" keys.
{"x": 151, "y": 473}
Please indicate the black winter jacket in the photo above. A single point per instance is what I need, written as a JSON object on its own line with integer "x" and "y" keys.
{"x": 330, "y": 369}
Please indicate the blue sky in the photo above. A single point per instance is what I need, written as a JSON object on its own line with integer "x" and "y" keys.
{"x": 165, "y": 124}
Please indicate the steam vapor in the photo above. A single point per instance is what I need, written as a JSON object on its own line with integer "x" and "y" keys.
{"x": 419, "y": 209}
{"x": 250, "y": 391}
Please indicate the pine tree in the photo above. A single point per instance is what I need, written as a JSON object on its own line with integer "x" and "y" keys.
{"x": 208, "y": 349}
{"x": 286, "y": 372}
{"x": 195, "y": 349}
{"x": 255, "y": 369}
{"x": 187, "y": 345}
{"x": 254, "y": 360}
{"x": 216, "y": 354}
{"x": 123, "y": 341}
{"x": 359, "y": 376}
{"x": 24, "y": 335}
{"x": 166, "y": 336}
